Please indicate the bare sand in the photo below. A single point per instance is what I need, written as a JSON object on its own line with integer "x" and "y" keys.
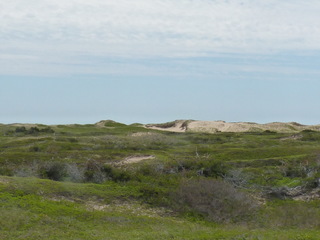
{"x": 134, "y": 159}
{"x": 222, "y": 126}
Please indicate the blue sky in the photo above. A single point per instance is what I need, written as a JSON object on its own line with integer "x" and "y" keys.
{"x": 148, "y": 61}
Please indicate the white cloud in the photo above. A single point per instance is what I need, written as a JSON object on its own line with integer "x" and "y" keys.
{"x": 56, "y": 30}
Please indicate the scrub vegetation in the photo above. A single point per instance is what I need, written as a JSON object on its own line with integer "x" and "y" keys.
{"x": 77, "y": 182}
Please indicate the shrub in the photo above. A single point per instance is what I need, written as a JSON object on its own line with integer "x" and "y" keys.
{"x": 6, "y": 171}
{"x": 115, "y": 174}
{"x": 237, "y": 178}
{"x": 214, "y": 200}
{"x": 20, "y": 130}
{"x": 47, "y": 130}
{"x": 152, "y": 194}
{"x": 94, "y": 172}
{"x": 34, "y": 149}
{"x": 213, "y": 168}
{"x": 294, "y": 171}
{"x": 33, "y": 130}
{"x": 98, "y": 173}
{"x": 269, "y": 132}
{"x": 75, "y": 173}
{"x": 120, "y": 176}
{"x": 54, "y": 170}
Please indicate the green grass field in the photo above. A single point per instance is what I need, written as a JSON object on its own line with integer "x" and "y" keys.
{"x": 77, "y": 182}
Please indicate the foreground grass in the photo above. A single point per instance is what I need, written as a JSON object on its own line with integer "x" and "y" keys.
{"x": 41, "y": 209}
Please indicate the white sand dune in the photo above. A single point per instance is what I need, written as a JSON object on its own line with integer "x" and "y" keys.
{"x": 222, "y": 126}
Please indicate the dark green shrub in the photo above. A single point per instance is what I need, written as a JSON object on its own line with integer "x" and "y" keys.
{"x": 117, "y": 175}
{"x": 98, "y": 173}
{"x": 47, "y": 130}
{"x": 313, "y": 183}
{"x": 214, "y": 169}
{"x": 94, "y": 172}
{"x": 120, "y": 175}
{"x": 108, "y": 170}
{"x": 295, "y": 171}
{"x": 34, "y": 149}
{"x": 54, "y": 170}
{"x": 308, "y": 131}
{"x": 20, "y": 130}
{"x": 269, "y": 132}
{"x": 5, "y": 171}
{"x": 72, "y": 140}
{"x": 152, "y": 194}
{"x": 33, "y": 130}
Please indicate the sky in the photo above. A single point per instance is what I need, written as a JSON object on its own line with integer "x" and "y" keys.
{"x": 154, "y": 61}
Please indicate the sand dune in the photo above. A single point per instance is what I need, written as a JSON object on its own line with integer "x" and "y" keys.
{"x": 222, "y": 126}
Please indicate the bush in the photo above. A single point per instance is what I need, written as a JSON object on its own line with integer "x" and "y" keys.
{"x": 6, "y": 171}
{"x": 98, "y": 173}
{"x": 152, "y": 194}
{"x": 33, "y": 130}
{"x": 47, "y": 130}
{"x": 94, "y": 172}
{"x": 214, "y": 200}
{"x": 213, "y": 168}
{"x": 237, "y": 178}
{"x": 34, "y": 149}
{"x": 116, "y": 175}
{"x": 54, "y": 170}
{"x": 75, "y": 173}
{"x": 20, "y": 130}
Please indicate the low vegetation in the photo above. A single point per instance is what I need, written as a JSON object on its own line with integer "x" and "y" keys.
{"x": 73, "y": 182}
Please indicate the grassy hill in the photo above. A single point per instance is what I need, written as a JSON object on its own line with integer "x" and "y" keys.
{"x": 114, "y": 181}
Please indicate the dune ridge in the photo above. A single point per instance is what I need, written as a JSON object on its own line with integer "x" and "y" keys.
{"x": 222, "y": 126}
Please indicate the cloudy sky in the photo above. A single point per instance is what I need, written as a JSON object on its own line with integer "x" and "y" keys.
{"x": 159, "y": 60}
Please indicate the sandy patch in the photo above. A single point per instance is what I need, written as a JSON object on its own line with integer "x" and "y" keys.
{"x": 172, "y": 129}
{"x": 60, "y": 199}
{"x": 293, "y": 137}
{"x": 134, "y": 159}
{"x": 313, "y": 195}
{"x": 95, "y": 206}
{"x": 4, "y": 181}
{"x": 132, "y": 207}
